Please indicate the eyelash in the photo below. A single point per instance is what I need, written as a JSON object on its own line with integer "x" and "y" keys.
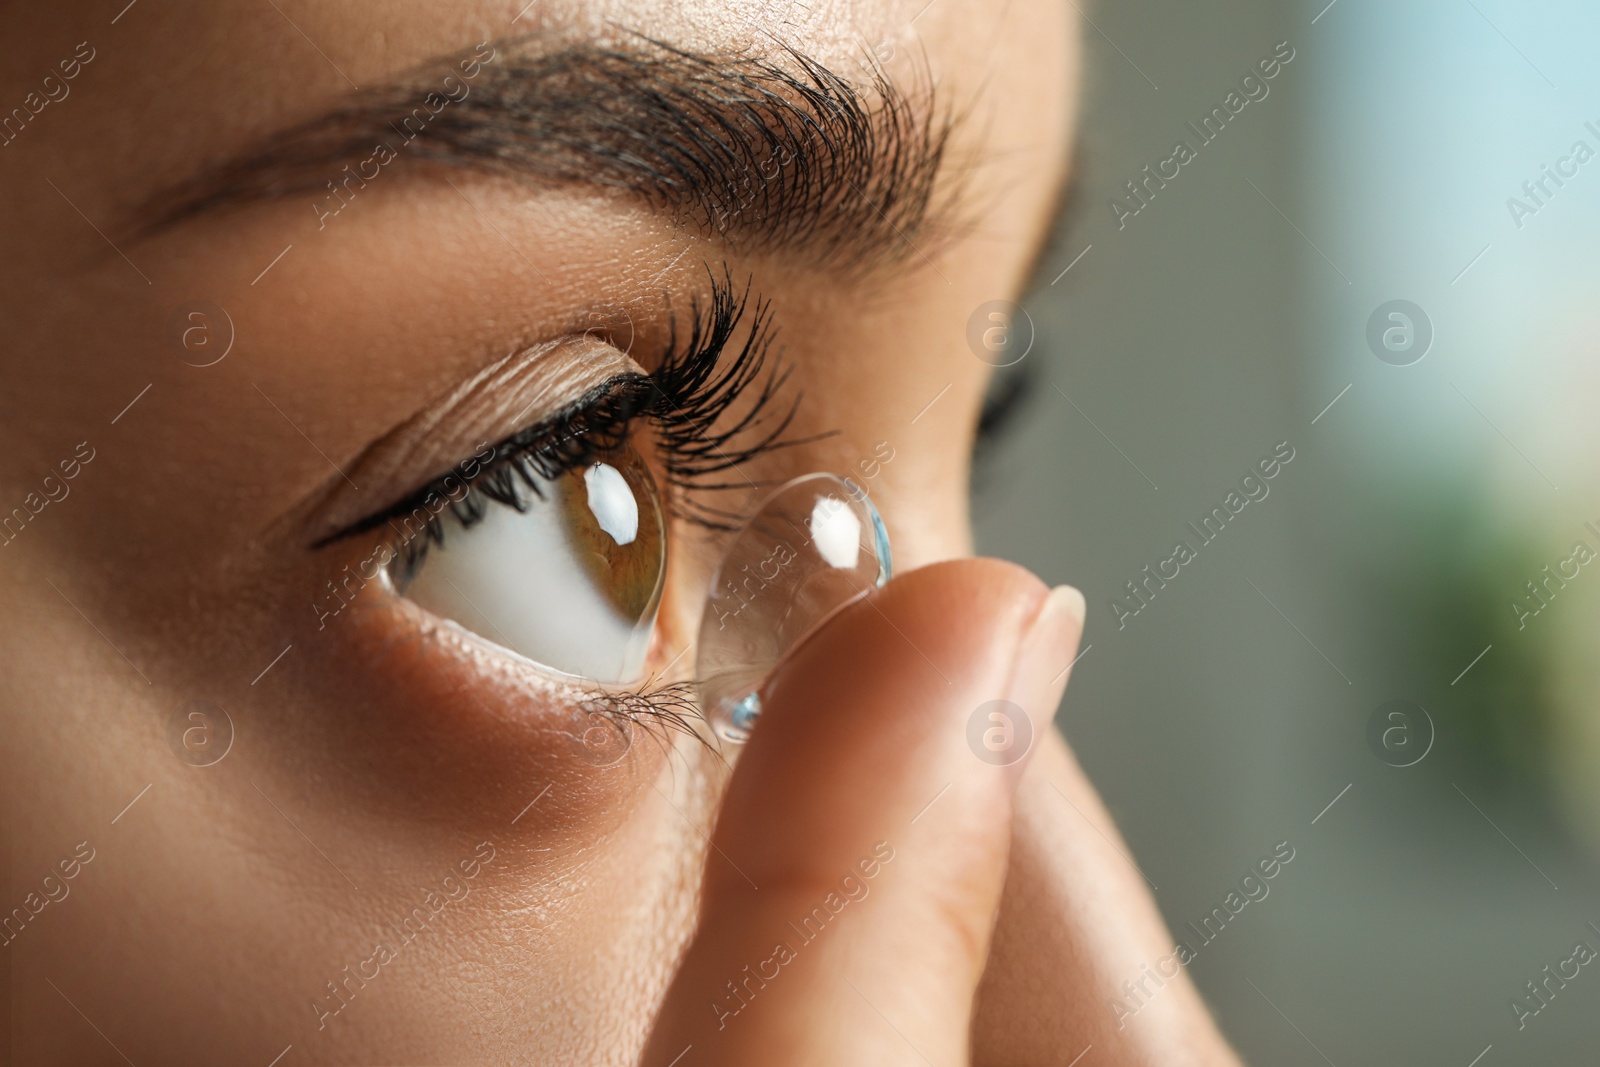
{"x": 683, "y": 398}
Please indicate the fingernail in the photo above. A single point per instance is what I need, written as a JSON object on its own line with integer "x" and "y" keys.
{"x": 1044, "y": 660}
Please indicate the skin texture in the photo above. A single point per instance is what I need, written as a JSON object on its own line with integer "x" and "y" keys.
{"x": 381, "y": 762}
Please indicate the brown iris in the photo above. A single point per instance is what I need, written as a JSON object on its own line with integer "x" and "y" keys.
{"x": 624, "y": 559}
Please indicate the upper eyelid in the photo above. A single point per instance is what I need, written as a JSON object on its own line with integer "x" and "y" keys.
{"x": 528, "y": 387}
{"x": 685, "y": 396}
{"x": 532, "y": 439}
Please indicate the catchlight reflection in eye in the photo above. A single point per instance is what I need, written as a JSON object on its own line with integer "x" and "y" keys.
{"x": 572, "y": 582}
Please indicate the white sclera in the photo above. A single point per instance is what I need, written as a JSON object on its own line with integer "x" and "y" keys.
{"x": 813, "y": 546}
{"x": 550, "y": 582}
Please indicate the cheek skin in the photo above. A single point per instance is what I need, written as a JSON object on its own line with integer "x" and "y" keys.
{"x": 599, "y": 868}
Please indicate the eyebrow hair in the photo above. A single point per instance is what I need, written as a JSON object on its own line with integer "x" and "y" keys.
{"x": 779, "y": 154}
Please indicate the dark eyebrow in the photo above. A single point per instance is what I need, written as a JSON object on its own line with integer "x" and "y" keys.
{"x": 764, "y": 154}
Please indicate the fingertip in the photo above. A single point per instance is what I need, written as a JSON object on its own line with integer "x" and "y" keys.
{"x": 1044, "y": 661}
{"x": 894, "y": 689}
{"x": 1071, "y": 601}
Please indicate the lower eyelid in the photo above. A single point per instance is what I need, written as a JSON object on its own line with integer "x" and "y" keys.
{"x": 401, "y": 628}
{"x": 460, "y": 723}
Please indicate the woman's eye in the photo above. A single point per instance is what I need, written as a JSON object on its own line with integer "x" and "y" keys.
{"x": 572, "y": 581}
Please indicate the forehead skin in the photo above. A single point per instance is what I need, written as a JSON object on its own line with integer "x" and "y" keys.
{"x": 205, "y": 926}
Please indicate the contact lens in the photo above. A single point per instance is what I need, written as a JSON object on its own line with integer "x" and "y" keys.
{"x": 813, "y": 546}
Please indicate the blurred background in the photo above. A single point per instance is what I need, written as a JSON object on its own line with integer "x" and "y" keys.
{"x": 1389, "y": 661}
